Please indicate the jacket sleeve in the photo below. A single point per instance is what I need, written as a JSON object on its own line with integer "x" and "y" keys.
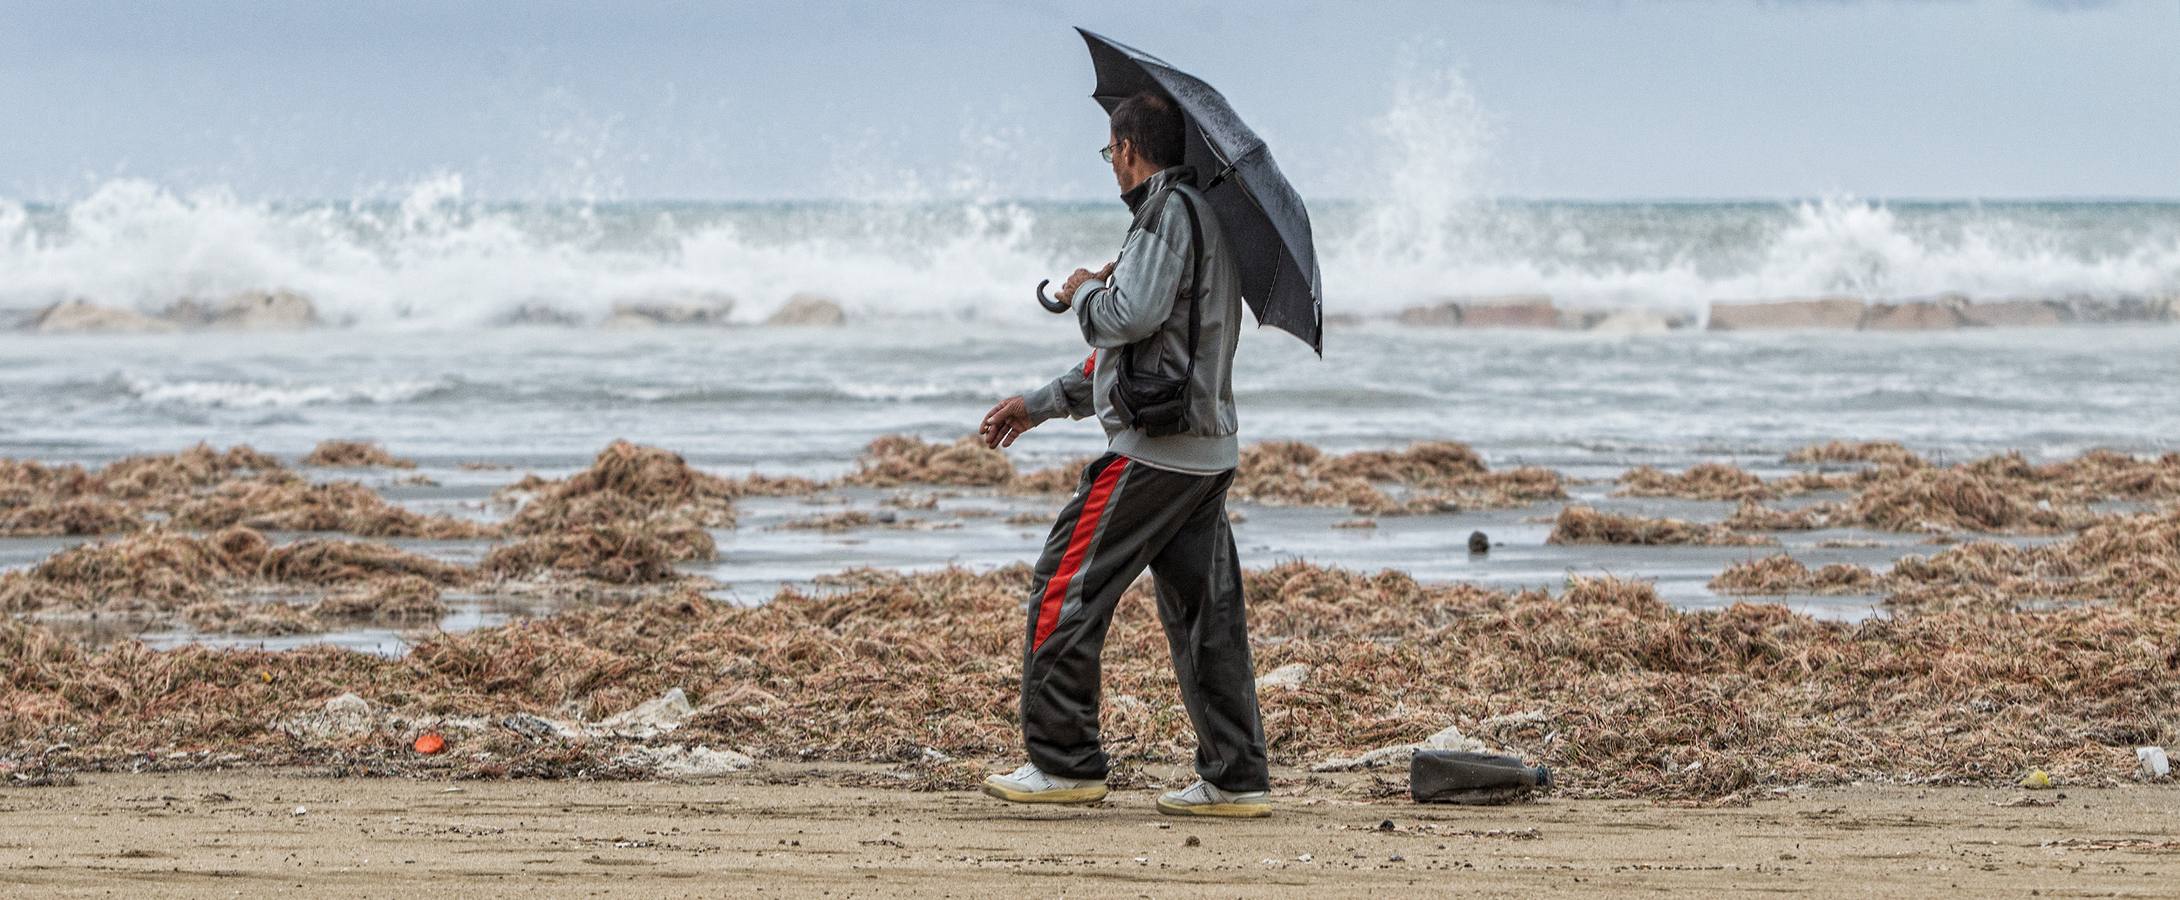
{"x": 1139, "y": 298}
{"x": 1067, "y": 395}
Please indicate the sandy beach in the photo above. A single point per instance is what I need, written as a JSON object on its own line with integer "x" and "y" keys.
{"x": 795, "y": 833}
{"x": 689, "y": 450}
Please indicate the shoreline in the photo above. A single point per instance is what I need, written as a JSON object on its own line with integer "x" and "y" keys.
{"x": 801, "y": 833}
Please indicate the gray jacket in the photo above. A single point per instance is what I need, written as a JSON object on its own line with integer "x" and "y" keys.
{"x": 1137, "y": 307}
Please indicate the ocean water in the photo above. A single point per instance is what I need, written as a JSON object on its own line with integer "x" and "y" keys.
{"x": 418, "y": 291}
{"x": 807, "y": 400}
{"x": 434, "y": 259}
{"x": 418, "y": 352}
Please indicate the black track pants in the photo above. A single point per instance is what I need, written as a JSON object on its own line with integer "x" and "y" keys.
{"x": 1125, "y": 516}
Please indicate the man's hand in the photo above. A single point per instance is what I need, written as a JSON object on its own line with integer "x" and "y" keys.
{"x": 1005, "y": 422}
{"x": 1067, "y": 288}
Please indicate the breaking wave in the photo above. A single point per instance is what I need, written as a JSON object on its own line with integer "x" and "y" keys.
{"x": 1422, "y": 226}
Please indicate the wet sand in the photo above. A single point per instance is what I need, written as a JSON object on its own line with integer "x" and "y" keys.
{"x": 784, "y": 831}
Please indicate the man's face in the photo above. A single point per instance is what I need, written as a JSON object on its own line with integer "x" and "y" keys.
{"x": 1122, "y": 153}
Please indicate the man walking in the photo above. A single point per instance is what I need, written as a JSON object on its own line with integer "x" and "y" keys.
{"x": 1163, "y": 320}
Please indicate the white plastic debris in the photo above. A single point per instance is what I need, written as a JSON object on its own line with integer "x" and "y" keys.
{"x": 348, "y": 705}
{"x": 2153, "y": 761}
{"x": 300, "y": 811}
{"x": 1289, "y": 676}
{"x": 683, "y": 761}
{"x": 651, "y": 717}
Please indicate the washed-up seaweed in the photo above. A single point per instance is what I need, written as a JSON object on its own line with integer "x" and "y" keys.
{"x": 1585, "y": 525}
{"x": 1705, "y": 481}
{"x": 1621, "y": 695}
{"x": 354, "y": 455}
{"x": 1783, "y": 574}
{"x": 1431, "y": 476}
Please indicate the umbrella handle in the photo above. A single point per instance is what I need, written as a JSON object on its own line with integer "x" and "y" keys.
{"x": 1048, "y": 303}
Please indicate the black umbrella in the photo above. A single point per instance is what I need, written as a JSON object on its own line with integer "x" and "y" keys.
{"x": 1259, "y": 212}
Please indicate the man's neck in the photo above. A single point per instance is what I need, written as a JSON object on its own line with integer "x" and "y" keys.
{"x": 1140, "y": 175}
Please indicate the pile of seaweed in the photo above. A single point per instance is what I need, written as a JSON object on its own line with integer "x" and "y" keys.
{"x": 1901, "y": 492}
{"x": 1585, "y": 525}
{"x": 1704, "y": 481}
{"x": 201, "y": 488}
{"x": 233, "y": 581}
{"x": 2129, "y": 561}
{"x": 1622, "y": 695}
{"x": 354, "y": 455}
{"x": 1431, "y": 476}
{"x": 1782, "y": 574}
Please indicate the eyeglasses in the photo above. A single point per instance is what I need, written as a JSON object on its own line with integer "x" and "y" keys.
{"x": 1107, "y": 150}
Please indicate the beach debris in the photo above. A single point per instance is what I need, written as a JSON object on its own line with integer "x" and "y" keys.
{"x": 2137, "y": 844}
{"x": 1585, "y": 525}
{"x": 1754, "y": 516}
{"x": 1192, "y": 841}
{"x": 894, "y": 460}
{"x": 612, "y": 553}
{"x": 241, "y": 617}
{"x": 400, "y": 598}
{"x": 348, "y": 705}
{"x": 1883, "y": 453}
{"x": 430, "y": 743}
{"x": 1358, "y": 524}
{"x": 2125, "y": 560}
{"x": 1434, "y": 476}
{"x": 808, "y": 310}
{"x": 685, "y": 761}
{"x": 1060, "y": 479}
{"x": 284, "y": 501}
{"x": 625, "y": 484}
{"x": 299, "y": 811}
{"x": 1783, "y": 574}
{"x": 213, "y": 582}
{"x": 1705, "y": 481}
{"x": 2153, "y": 763}
{"x": 1479, "y": 543}
{"x": 71, "y": 516}
{"x": 1639, "y": 699}
{"x": 354, "y": 455}
{"x": 651, "y": 718}
{"x": 1448, "y": 738}
{"x": 343, "y": 717}
{"x": 1472, "y": 778}
{"x": 1289, "y": 677}
{"x": 37, "y": 499}
{"x": 2037, "y": 780}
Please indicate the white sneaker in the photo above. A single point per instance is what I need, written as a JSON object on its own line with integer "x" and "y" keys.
{"x": 1205, "y": 799}
{"x": 1030, "y": 784}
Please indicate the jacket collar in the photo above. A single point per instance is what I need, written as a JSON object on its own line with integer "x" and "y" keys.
{"x": 1163, "y": 179}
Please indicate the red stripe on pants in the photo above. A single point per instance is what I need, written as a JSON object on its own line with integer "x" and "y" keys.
{"x": 1078, "y": 546}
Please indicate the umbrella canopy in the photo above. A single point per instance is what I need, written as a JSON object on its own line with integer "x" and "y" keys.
{"x": 1259, "y": 212}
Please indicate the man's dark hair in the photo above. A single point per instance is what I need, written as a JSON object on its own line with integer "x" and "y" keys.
{"x": 1151, "y": 123}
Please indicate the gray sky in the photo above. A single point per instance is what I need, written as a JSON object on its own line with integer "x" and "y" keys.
{"x": 746, "y": 100}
